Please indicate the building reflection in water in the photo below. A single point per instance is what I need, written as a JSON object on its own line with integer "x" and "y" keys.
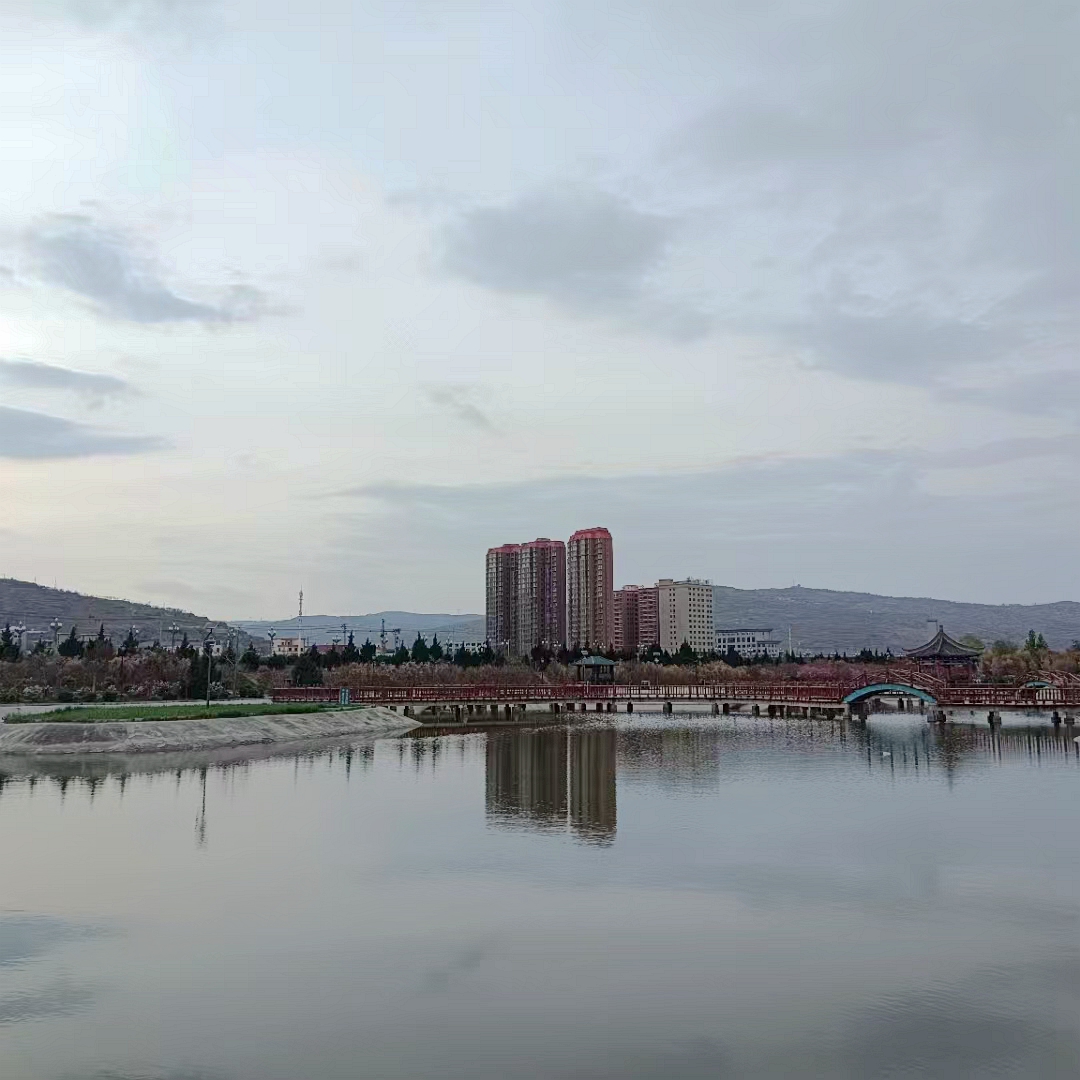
{"x": 552, "y": 780}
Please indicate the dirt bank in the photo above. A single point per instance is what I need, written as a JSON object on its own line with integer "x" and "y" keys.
{"x": 155, "y": 736}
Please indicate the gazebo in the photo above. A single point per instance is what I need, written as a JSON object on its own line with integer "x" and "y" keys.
{"x": 595, "y": 669}
{"x": 944, "y": 651}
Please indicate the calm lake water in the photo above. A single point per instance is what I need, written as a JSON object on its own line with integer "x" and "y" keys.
{"x": 651, "y": 897}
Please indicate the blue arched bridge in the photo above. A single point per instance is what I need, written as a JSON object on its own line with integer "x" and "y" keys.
{"x": 889, "y": 689}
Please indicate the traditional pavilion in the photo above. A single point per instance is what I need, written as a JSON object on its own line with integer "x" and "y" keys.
{"x": 944, "y": 651}
{"x": 595, "y": 669}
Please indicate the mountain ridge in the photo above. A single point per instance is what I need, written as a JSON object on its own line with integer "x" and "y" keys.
{"x": 819, "y": 620}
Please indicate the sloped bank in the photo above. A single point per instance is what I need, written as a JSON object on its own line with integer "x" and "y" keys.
{"x": 155, "y": 736}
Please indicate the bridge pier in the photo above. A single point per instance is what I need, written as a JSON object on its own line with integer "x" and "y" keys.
{"x": 629, "y": 706}
{"x": 667, "y": 706}
{"x": 756, "y": 710}
{"x": 726, "y": 710}
{"x": 716, "y": 708}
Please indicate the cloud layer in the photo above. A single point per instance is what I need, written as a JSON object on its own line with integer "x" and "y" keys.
{"x": 30, "y": 435}
{"x": 33, "y": 374}
{"x": 101, "y": 266}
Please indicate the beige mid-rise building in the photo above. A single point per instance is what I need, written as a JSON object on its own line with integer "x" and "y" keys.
{"x": 686, "y": 614}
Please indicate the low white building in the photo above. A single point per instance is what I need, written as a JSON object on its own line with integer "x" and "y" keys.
{"x": 748, "y": 642}
{"x": 685, "y": 614}
{"x": 288, "y": 646}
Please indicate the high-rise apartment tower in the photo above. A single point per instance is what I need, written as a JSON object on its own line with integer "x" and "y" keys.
{"x": 502, "y": 596}
{"x": 526, "y": 596}
{"x": 541, "y": 603}
{"x": 590, "y": 584}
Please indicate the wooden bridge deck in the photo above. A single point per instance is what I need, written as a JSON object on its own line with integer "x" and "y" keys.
{"x": 793, "y": 693}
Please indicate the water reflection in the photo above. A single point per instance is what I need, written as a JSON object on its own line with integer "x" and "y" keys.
{"x": 553, "y": 779}
{"x": 790, "y": 898}
{"x": 565, "y": 777}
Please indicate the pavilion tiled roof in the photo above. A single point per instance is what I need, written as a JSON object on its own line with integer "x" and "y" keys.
{"x": 943, "y": 647}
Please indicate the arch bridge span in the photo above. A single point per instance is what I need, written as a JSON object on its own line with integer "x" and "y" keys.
{"x": 889, "y": 689}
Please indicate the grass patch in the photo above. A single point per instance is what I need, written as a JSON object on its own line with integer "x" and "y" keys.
{"x": 103, "y": 714}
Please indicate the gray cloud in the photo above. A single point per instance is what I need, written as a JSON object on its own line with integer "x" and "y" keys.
{"x": 859, "y": 520}
{"x": 30, "y": 435}
{"x": 34, "y": 374}
{"x": 101, "y": 265}
{"x": 107, "y": 14}
{"x": 588, "y": 250}
{"x": 894, "y": 209}
{"x": 460, "y": 402}
{"x": 578, "y": 246}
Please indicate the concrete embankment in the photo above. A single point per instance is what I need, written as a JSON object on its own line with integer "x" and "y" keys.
{"x": 155, "y": 736}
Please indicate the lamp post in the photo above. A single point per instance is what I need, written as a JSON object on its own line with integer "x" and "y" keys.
{"x": 55, "y": 626}
{"x": 208, "y": 644}
{"x": 271, "y": 634}
{"x": 174, "y": 630}
{"x": 20, "y": 635}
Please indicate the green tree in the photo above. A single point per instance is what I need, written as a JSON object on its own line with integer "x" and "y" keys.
{"x": 686, "y": 655}
{"x": 71, "y": 646}
{"x": 130, "y": 645}
{"x": 435, "y": 650}
{"x": 9, "y": 647}
{"x": 350, "y": 654}
{"x": 420, "y": 653}
{"x": 1035, "y": 642}
{"x": 332, "y": 658}
{"x": 307, "y": 671}
{"x": 401, "y": 656}
{"x": 250, "y": 658}
{"x": 367, "y": 652}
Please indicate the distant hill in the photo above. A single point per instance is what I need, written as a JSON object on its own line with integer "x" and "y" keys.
{"x": 322, "y": 629}
{"x": 822, "y": 620}
{"x": 35, "y": 606}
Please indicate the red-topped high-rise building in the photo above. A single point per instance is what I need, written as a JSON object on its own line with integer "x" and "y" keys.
{"x": 541, "y": 606}
{"x": 502, "y": 589}
{"x": 526, "y": 596}
{"x": 590, "y": 583}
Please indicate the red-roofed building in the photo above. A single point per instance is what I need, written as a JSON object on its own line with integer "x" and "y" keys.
{"x": 590, "y": 583}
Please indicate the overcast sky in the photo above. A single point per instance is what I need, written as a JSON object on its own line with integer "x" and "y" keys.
{"x": 339, "y": 294}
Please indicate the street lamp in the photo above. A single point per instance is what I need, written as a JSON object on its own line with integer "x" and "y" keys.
{"x": 55, "y": 626}
{"x": 174, "y": 630}
{"x": 20, "y": 633}
{"x": 208, "y": 644}
{"x": 271, "y": 634}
